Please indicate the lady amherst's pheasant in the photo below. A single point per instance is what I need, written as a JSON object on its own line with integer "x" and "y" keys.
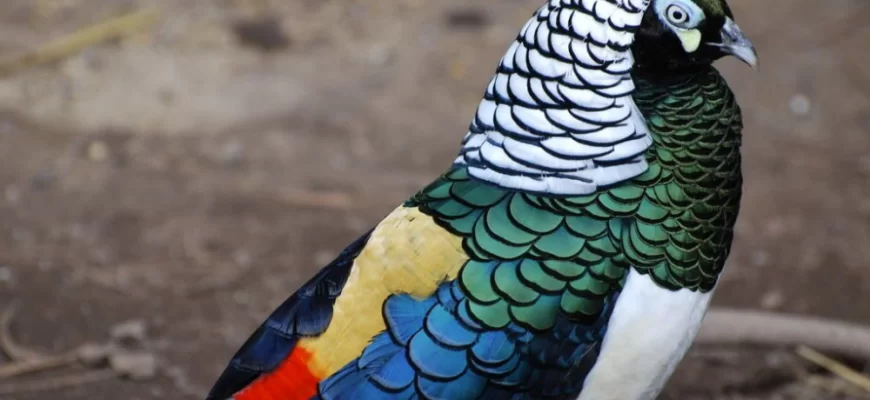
{"x": 571, "y": 250}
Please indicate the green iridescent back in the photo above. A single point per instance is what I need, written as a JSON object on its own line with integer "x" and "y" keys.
{"x": 533, "y": 257}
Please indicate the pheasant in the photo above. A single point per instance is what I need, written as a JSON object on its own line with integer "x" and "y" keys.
{"x": 569, "y": 252}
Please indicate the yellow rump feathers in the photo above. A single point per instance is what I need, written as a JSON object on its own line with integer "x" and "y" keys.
{"x": 406, "y": 253}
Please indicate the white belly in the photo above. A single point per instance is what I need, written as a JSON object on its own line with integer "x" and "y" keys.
{"x": 649, "y": 332}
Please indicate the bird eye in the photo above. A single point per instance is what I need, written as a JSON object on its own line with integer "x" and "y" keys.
{"x": 677, "y": 15}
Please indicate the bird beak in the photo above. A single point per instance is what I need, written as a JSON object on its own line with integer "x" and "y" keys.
{"x": 735, "y": 43}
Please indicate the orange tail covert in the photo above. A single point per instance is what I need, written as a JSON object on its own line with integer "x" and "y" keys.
{"x": 292, "y": 380}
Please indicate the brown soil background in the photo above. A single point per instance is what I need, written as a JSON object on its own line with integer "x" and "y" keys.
{"x": 136, "y": 174}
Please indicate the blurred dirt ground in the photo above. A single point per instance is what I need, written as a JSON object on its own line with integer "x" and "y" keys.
{"x": 191, "y": 177}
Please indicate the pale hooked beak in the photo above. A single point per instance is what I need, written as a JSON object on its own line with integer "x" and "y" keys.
{"x": 735, "y": 43}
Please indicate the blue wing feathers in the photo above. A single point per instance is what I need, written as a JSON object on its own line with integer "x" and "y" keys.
{"x": 434, "y": 359}
{"x": 516, "y": 377}
{"x": 497, "y": 371}
{"x": 396, "y": 374}
{"x": 377, "y": 353}
{"x": 465, "y": 317}
{"x": 467, "y": 386}
{"x": 445, "y": 296}
{"x": 447, "y": 329}
{"x": 343, "y": 381}
{"x": 306, "y": 313}
{"x": 404, "y": 315}
{"x": 493, "y": 348}
{"x": 432, "y": 349}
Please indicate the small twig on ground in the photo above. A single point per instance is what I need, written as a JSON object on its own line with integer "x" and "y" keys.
{"x": 24, "y": 367}
{"x": 7, "y": 345}
{"x": 122, "y": 362}
{"x": 57, "y": 383}
{"x": 836, "y": 367}
{"x": 124, "y": 25}
{"x": 25, "y": 361}
{"x": 726, "y": 326}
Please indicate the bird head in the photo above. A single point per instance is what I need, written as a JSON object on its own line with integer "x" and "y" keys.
{"x": 678, "y": 35}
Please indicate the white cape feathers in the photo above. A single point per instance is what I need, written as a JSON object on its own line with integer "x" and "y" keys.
{"x": 558, "y": 116}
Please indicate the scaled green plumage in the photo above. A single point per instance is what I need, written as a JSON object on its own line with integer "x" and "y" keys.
{"x": 565, "y": 254}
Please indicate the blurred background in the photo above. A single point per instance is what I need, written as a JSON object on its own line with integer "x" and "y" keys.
{"x": 169, "y": 187}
